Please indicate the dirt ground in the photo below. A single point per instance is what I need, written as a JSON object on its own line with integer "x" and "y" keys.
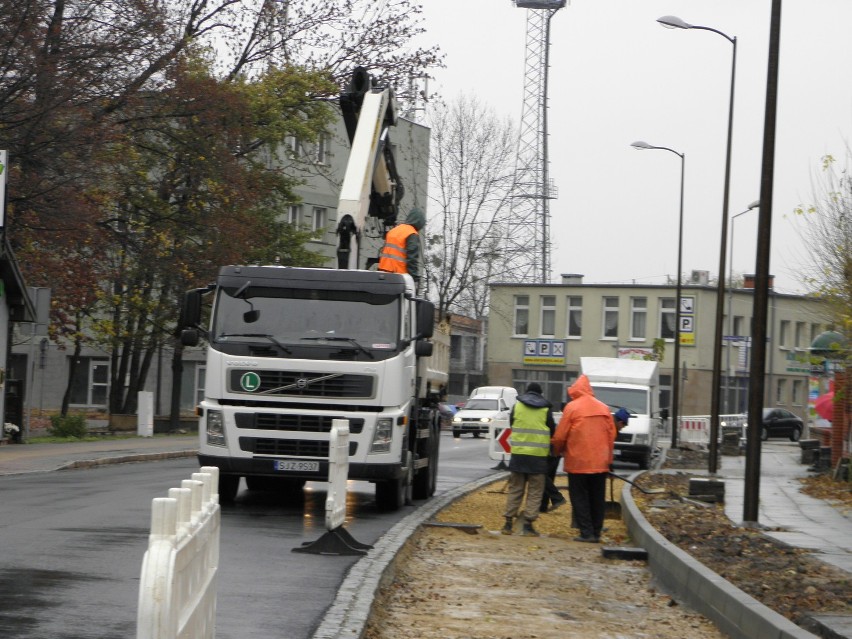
{"x": 454, "y": 585}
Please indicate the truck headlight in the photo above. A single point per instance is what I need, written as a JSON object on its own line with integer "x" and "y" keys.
{"x": 383, "y": 436}
{"x": 642, "y": 440}
{"x": 216, "y": 428}
{"x": 485, "y": 419}
{"x": 457, "y": 420}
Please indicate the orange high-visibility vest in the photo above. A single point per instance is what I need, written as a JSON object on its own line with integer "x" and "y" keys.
{"x": 393, "y": 256}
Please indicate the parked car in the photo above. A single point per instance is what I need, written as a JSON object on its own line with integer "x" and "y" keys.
{"x": 778, "y": 422}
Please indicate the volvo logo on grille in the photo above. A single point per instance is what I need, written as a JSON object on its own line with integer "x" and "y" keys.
{"x": 301, "y": 383}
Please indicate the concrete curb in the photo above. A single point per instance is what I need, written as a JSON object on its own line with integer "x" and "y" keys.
{"x": 125, "y": 459}
{"x": 348, "y": 614}
{"x": 733, "y": 611}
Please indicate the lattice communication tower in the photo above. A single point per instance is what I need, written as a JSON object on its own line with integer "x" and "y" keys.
{"x": 527, "y": 243}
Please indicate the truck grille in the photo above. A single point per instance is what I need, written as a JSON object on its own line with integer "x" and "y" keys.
{"x": 300, "y": 423}
{"x": 625, "y": 438}
{"x": 302, "y": 384}
{"x": 288, "y": 447}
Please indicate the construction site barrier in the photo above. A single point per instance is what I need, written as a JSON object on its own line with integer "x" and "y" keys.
{"x": 694, "y": 430}
{"x": 336, "y": 540}
{"x": 177, "y": 590}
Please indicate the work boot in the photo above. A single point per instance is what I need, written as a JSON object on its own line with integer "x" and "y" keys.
{"x": 529, "y": 531}
{"x": 508, "y": 528}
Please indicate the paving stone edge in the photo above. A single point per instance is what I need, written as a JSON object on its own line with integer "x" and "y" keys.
{"x": 348, "y": 614}
{"x": 687, "y": 580}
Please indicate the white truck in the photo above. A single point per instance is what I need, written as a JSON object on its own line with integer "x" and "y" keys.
{"x": 634, "y": 385}
{"x": 291, "y": 349}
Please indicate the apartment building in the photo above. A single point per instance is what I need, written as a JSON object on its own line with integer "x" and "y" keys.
{"x": 538, "y": 332}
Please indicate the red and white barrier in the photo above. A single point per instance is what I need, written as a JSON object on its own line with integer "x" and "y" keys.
{"x": 695, "y": 430}
{"x": 177, "y": 590}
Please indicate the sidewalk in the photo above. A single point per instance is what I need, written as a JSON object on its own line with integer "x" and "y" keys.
{"x": 786, "y": 514}
{"x": 796, "y": 519}
{"x": 16, "y": 459}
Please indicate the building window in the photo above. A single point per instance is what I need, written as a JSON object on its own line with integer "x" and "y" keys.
{"x": 638, "y": 317}
{"x": 815, "y": 331}
{"x": 522, "y": 315}
{"x": 798, "y": 386}
{"x": 90, "y": 386}
{"x": 801, "y": 328}
{"x": 291, "y": 146}
{"x": 553, "y": 384}
{"x": 464, "y": 352}
{"x": 575, "y": 317}
{"x": 781, "y": 392}
{"x": 320, "y": 219}
{"x": 609, "y": 330}
{"x": 294, "y": 214}
{"x": 784, "y": 334}
{"x": 548, "y": 316}
{"x": 321, "y": 156}
{"x": 738, "y": 325}
{"x": 667, "y": 318}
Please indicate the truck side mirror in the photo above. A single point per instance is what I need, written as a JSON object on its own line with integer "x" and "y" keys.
{"x": 664, "y": 413}
{"x": 425, "y": 318}
{"x": 190, "y": 310}
{"x": 422, "y": 348}
{"x": 189, "y": 337}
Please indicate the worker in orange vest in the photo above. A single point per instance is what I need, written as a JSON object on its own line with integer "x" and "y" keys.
{"x": 401, "y": 252}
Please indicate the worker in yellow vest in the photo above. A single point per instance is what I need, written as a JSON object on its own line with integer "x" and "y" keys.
{"x": 532, "y": 424}
{"x": 401, "y": 252}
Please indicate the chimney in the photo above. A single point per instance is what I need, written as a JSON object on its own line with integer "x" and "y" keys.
{"x": 748, "y": 281}
{"x": 572, "y": 278}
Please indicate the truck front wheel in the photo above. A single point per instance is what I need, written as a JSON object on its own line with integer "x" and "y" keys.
{"x": 228, "y": 487}
{"x": 393, "y": 494}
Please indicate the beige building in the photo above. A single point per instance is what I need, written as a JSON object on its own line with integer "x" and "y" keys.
{"x": 538, "y": 332}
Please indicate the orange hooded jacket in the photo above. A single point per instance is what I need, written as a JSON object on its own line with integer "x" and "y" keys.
{"x": 586, "y": 432}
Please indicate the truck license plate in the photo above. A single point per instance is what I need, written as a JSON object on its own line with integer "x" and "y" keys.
{"x": 616, "y": 453}
{"x": 300, "y": 466}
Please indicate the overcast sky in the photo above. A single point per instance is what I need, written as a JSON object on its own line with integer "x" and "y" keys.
{"x": 617, "y": 76}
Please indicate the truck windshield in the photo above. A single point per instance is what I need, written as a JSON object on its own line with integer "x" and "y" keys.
{"x": 307, "y": 317}
{"x": 634, "y": 400}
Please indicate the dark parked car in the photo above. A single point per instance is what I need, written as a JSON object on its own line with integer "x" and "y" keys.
{"x": 778, "y": 422}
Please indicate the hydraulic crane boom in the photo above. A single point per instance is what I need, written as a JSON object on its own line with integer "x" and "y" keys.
{"x": 371, "y": 184}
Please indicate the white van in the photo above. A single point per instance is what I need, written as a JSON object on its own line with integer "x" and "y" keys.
{"x": 487, "y": 405}
{"x": 634, "y": 385}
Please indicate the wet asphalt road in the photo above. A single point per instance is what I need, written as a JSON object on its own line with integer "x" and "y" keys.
{"x": 72, "y": 546}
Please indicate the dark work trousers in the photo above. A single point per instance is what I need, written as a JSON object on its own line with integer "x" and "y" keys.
{"x": 551, "y": 492}
{"x": 588, "y": 495}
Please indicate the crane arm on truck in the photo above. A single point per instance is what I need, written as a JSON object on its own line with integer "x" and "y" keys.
{"x": 371, "y": 184}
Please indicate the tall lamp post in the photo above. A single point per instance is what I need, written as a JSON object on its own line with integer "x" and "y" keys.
{"x": 751, "y": 207}
{"x": 642, "y": 146}
{"x": 674, "y": 22}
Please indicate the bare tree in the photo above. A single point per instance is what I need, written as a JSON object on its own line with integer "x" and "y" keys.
{"x": 471, "y": 172}
{"x": 827, "y": 231}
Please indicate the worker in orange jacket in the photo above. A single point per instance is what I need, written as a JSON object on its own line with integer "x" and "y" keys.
{"x": 585, "y": 437}
{"x": 401, "y": 252}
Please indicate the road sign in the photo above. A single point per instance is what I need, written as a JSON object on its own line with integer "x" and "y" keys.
{"x": 503, "y": 439}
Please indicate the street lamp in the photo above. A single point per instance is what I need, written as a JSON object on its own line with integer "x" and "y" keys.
{"x": 642, "y": 146}
{"x": 751, "y": 207}
{"x": 673, "y": 22}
